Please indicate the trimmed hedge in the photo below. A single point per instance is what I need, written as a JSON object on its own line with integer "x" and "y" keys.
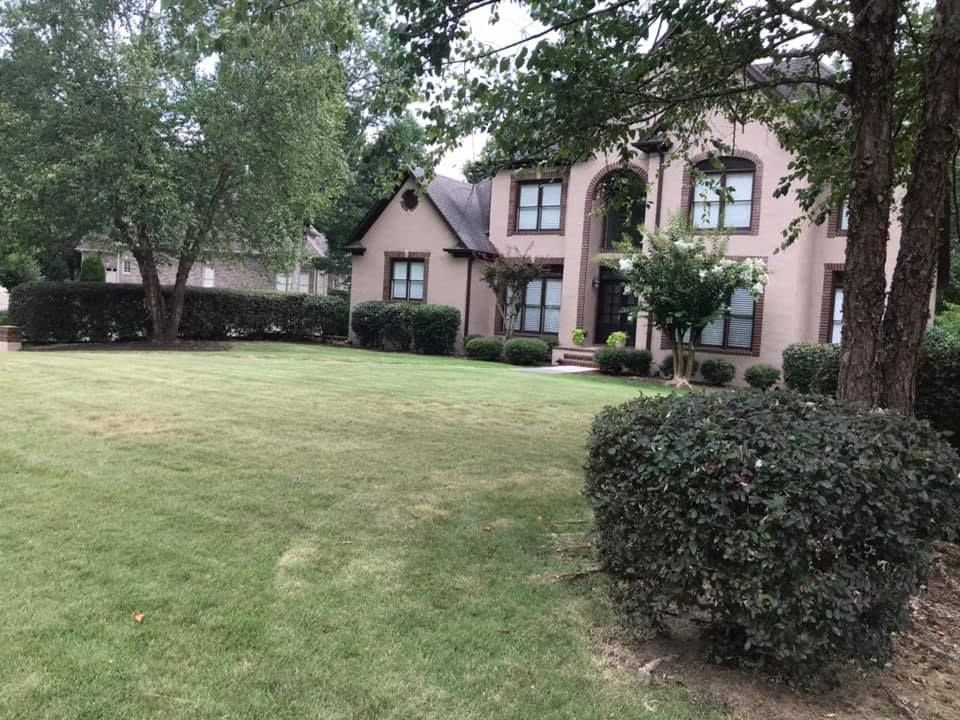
{"x": 801, "y": 361}
{"x": 717, "y": 371}
{"x": 761, "y": 376}
{"x": 613, "y": 360}
{"x": 92, "y": 270}
{"x": 484, "y": 348}
{"x": 526, "y": 351}
{"x": 430, "y": 329}
{"x": 777, "y": 514}
{"x": 52, "y": 312}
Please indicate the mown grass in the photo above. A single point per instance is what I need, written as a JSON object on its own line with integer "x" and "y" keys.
{"x": 310, "y": 532}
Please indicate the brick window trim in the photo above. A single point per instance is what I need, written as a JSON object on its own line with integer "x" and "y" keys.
{"x": 666, "y": 343}
{"x": 831, "y": 281}
{"x": 588, "y": 208}
{"x": 833, "y": 223}
{"x": 541, "y": 176}
{"x": 686, "y": 193}
{"x": 388, "y": 258}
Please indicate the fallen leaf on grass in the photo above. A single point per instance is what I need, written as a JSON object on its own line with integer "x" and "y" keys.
{"x": 138, "y": 617}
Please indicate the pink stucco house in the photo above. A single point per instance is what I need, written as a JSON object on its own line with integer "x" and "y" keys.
{"x": 430, "y": 247}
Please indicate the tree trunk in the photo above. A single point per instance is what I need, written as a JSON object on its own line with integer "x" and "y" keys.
{"x": 924, "y": 212}
{"x": 175, "y": 312}
{"x": 873, "y": 62}
{"x": 152, "y": 291}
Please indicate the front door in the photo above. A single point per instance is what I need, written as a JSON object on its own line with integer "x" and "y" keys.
{"x": 613, "y": 306}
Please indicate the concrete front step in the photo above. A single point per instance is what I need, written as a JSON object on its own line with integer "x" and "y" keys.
{"x": 577, "y": 362}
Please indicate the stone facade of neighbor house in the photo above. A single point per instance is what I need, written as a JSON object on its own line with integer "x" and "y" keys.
{"x": 238, "y": 273}
{"x": 445, "y": 234}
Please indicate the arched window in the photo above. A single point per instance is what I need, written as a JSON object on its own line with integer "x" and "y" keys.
{"x": 723, "y": 194}
{"x": 625, "y": 207}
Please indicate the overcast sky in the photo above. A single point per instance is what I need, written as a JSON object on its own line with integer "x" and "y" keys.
{"x": 514, "y": 24}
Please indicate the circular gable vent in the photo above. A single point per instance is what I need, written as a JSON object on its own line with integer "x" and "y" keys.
{"x": 410, "y": 200}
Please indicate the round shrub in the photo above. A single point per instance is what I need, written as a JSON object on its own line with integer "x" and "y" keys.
{"x": 368, "y": 321}
{"x": 526, "y": 351}
{"x": 801, "y": 361}
{"x": 611, "y": 360}
{"x": 484, "y": 348}
{"x": 666, "y": 366}
{"x": 435, "y": 329}
{"x": 637, "y": 362}
{"x": 826, "y": 375}
{"x": 398, "y": 326}
{"x": 761, "y": 376}
{"x": 775, "y": 513}
{"x": 717, "y": 371}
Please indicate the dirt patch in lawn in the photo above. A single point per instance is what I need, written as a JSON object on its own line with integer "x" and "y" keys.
{"x": 922, "y": 682}
{"x": 138, "y": 346}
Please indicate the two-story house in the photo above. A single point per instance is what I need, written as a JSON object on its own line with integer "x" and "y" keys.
{"x": 430, "y": 247}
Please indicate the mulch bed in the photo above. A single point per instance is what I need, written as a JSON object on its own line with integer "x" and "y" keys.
{"x": 921, "y": 683}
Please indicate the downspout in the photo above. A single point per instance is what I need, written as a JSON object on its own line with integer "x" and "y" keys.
{"x": 466, "y": 304}
{"x": 656, "y": 225}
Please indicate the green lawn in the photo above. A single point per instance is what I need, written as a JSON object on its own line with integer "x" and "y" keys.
{"x": 311, "y": 532}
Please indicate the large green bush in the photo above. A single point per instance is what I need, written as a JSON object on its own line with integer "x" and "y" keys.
{"x": 801, "y": 361}
{"x": 938, "y": 391}
{"x": 51, "y": 312}
{"x": 775, "y": 513}
{"x": 717, "y": 371}
{"x": 484, "y": 348}
{"x": 92, "y": 270}
{"x": 435, "y": 329}
{"x": 761, "y": 376}
{"x": 610, "y": 360}
{"x": 637, "y": 362}
{"x": 526, "y": 351}
{"x": 368, "y": 322}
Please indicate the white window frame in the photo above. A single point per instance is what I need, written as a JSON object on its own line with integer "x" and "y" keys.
{"x": 126, "y": 266}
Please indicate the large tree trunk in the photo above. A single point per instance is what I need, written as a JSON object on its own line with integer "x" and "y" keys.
{"x": 872, "y": 89}
{"x": 175, "y": 311}
{"x": 924, "y": 213}
{"x": 152, "y": 291}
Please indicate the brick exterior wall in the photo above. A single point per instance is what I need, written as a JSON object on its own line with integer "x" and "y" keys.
{"x": 831, "y": 278}
{"x": 588, "y": 209}
{"x": 833, "y": 224}
{"x": 515, "y": 183}
{"x": 686, "y": 196}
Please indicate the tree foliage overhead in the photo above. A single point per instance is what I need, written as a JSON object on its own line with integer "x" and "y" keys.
{"x": 865, "y": 94}
{"x": 177, "y": 148}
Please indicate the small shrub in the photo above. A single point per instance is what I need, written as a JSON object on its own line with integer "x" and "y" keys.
{"x": 526, "y": 351}
{"x": 775, "y": 513}
{"x": 938, "y": 391}
{"x": 435, "y": 328}
{"x": 666, "y": 367}
{"x": 616, "y": 338}
{"x": 948, "y": 320}
{"x": 826, "y": 377}
{"x": 637, "y": 362}
{"x": 367, "y": 320}
{"x": 484, "y": 348}
{"x": 611, "y": 360}
{"x": 801, "y": 361}
{"x": 938, "y": 338}
{"x": 4, "y": 318}
{"x": 761, "y": 376}
{"x": 92, "y": 270}
{"x": 717, "y": 371}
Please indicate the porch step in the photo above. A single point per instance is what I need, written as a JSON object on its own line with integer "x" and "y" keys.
{"x": 577, "y": 362}
{"x": 580, "y": 357}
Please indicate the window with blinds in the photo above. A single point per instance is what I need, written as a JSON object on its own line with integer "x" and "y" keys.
{"x": 407, "y": 281}
{"x": 539, "y": 206}
{"x": 723, "y": 199}
{"x": 836, "y": 331}
{"x": 735, "y": 329}
{"x": 541, "y": 307}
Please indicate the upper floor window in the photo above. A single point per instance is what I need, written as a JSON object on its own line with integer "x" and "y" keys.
{"x": 836, "y": 319}
{"x": 626, "y": 207}
{"x": 539, "y": 206}
{"x": 723, "y": 196}
{"x": 735, "y": 329}
{"x": 407, "y": 280}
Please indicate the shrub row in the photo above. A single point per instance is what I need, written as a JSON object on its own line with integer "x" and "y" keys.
{"x": 816, "y": 369}
{"x": 484, "y": 348}
{"x": 53, "y": 312}
{"x": 516, "y": 351}
{"x": 430, "y": 329}
{"x": 613, "y": 361}
{"x": 775, "y": 513}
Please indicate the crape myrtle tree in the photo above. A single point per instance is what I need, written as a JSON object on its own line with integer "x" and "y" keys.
{"x": 508, "y": 276}
{"x": 684, "y": 283}
{"x": 180, "y": 131}
{"x": 865, "y": 94}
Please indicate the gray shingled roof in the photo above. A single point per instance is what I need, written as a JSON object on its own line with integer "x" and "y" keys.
{"x": 466, "y": 209}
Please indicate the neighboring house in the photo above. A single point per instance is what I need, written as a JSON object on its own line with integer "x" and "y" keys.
{"x": 430, "y": 248}
{"x": 243, "y": 272}
{"x": 4, "y": 299}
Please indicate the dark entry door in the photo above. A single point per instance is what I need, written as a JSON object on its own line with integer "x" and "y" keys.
{"x": 612, "y": 307}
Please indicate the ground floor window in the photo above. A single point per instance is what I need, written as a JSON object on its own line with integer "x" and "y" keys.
{"x": 208, "y": 277}
{"x": 289, "y": 283}
{"x": 407, "y": 280}
{"x": 836, "y": 330}
{"x": 735, "y": 329}
{"x": 541, "y": 307}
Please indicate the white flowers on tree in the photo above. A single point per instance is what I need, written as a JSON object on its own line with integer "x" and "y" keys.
{"x": 684, "y": 282}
